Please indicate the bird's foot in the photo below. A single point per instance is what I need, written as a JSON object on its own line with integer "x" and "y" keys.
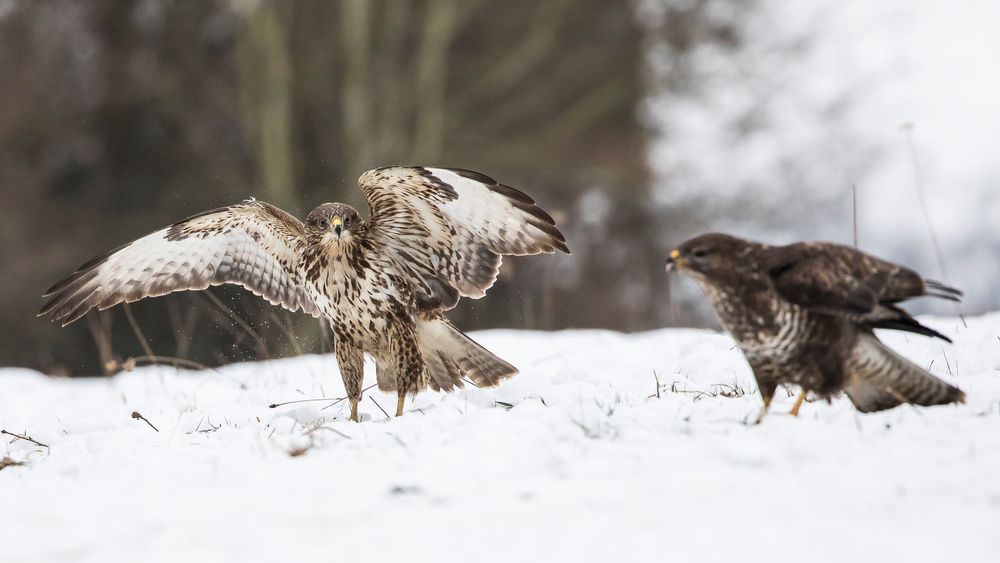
{"x": 760, "y": 416}
{"x": 763, "y": 411}
{"x": 400, "y": 400}
{"x": 354, "y": 410}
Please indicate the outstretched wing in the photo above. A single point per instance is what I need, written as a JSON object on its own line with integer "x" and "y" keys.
{"x": 253, "y": 244}
{"x": 840, "y": 280}
{"x": 450, "y": 227}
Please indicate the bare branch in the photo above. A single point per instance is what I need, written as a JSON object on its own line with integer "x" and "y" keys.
{"x": 24, "y": 437}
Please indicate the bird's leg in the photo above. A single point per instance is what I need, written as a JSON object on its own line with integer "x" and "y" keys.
{"x": 400, "y": 400}
{"x": 409, "y": 366}
{"x": 798, "y": 403}
{"x": 766, "y": 393}
{"x": 350, "y": 358}
{"x": 354, "y": 409}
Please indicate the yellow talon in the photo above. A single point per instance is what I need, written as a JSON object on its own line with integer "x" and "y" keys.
{"x": 354, "y": 410}
{"x": 798, "y": 403}
{"x": 399, "y": 404}
{"x": 763, "y": 411}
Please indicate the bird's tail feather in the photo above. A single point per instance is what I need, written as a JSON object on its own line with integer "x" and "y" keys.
{"x": 880, "y": 379}
{"x": 449, "y": 355}
{"x": 943, "y": 291}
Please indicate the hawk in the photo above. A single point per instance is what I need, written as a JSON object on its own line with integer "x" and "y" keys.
{"x": 434, "y": 235}
{"x": 805, "y": 314}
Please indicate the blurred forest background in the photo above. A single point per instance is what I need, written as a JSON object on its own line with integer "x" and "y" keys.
{"x": 636, "y": 124}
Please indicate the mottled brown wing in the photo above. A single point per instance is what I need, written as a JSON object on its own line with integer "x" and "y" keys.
{"x": 840, "y": 280}
{"x": 253, "y": 244}
{"x": 449, "y": 228}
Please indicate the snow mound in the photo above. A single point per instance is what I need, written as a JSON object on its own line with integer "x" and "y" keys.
{"x": 605, "y": 447}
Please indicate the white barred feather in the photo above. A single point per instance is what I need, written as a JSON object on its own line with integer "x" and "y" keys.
{"x": 253, "y": 244}
{"x": 450, "y": 227}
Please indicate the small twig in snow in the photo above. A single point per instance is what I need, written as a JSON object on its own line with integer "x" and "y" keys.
{"x": 335, "y": 400}
{"x": 380, "y": 407}
{"x": 946, "y": 362}
{"x": 276, "y": 405}
{"x": 24, "y": 437}
{"x": 137, "y": 416}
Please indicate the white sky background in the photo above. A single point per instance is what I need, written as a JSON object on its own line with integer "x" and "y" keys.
{"x": 815, "y": 100}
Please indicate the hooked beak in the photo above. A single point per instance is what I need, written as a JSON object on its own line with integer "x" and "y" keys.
{"x": 675, "y": 261}
{"x": 338, "y": 225}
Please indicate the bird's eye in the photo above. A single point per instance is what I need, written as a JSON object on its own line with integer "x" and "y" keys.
{"x": 347, "y": 221}
{"x": 700, "y": 253}
{"x": 322, "y": 223}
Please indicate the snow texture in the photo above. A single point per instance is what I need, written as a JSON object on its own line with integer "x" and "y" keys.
{"x": 591, "y": 462}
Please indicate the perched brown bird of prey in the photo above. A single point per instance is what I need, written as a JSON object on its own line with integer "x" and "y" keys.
{"x": 805, "y": 314}
{"x": 434, "y": 235}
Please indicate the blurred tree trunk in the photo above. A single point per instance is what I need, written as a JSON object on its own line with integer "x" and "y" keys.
{"x": 432, "y": 79}
{"x": 355, "y": 32}
{"x": 265, "y": 79}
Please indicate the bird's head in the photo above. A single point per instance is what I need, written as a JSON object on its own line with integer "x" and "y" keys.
{"x": 712, "y": 258}
{"x": 333, "y": 224}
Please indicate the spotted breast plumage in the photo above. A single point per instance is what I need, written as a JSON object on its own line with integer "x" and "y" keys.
{"x": 434, "y": 235}
{"x": 805, "y": 314}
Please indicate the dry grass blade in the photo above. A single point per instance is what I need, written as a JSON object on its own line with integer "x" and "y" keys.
{"x": 919, "y": 188}
{"x": 334, "y": 399}
{"x": 854, "y": 212}
{"x": 138, "y": 331}
{"x": 380, "y": 408}
{"x": 8, "y": 462}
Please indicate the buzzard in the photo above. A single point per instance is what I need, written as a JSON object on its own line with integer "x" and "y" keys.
{"x": 806, "y": 313}
{"x": 434, "y": 235}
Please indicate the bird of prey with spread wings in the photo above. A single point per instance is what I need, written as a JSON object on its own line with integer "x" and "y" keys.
{"x": 805, "y": 314}
{"x": 434, "y": 235}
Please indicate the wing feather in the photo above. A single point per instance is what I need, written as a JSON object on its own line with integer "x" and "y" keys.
{"x": 252, "y": 244}
{"x": 840, "y": 280}
{"x": 450, "y": 228}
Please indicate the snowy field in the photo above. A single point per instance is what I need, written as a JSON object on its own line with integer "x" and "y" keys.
{"x": 579, "y": 458}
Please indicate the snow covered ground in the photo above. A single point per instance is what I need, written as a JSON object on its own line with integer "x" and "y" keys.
{"x": 590, "y": 462}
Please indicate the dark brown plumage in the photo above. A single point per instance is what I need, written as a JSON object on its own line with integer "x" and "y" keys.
{"x": 805, "y": 314}
{"x": 434, "y": 235}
